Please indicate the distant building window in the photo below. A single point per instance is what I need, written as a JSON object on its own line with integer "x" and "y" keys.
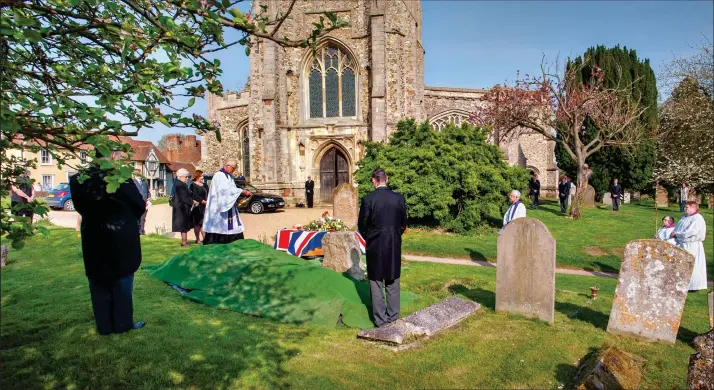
{"x": 48, "y": 182}
{"x": 45, "y": 157}
{"x": 331, "y": 86}
{"x": 83, "y": 158}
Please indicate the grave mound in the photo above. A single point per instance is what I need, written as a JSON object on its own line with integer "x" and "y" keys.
{"x": 252, "y": 278}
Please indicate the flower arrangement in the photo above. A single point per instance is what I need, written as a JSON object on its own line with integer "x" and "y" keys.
{"x": 326, "y": 223}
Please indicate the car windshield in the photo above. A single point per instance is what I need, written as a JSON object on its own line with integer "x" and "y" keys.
{"x": 61, "y": 187}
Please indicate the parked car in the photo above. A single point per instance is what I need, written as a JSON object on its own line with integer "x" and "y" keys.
{"x": 258, "y": 202}
{"x": 60, "y": 197}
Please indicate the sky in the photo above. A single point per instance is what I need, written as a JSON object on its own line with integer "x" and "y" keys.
{"x": 477, "y": 44}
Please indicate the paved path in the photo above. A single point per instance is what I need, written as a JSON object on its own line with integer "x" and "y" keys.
{"x": 479, "y": 263}
{"x": 158, "y": 220}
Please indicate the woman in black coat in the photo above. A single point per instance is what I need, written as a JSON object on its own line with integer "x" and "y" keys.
{"x": 110, "y": 247}
{"x": 200, "y": 195}
{"x": 182, "y": 202}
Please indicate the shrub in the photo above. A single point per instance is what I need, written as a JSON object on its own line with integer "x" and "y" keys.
{"x": 452, "y": 177}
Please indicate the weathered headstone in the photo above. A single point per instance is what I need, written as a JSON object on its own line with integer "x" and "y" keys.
{"x": 711, "y": 309}
{"x": 627, "y": 197}
{"x": 525, "y": 270}
{"x": 588, "y": 197}
{"x": 344, "y": 204}
{"x": 635, "y": 195}
{"x": 661, "y": 197}
{"x": 3, "y": 255}
{"x": 607, "y": 198}
{"x": 710, "y": 201}
{"x": 701, "y": 364}
{"x": 609, "y": 368}
{"x": 425, "y": 322}
{"x": 651, "y": 290}
{"x": 342, "y": 253}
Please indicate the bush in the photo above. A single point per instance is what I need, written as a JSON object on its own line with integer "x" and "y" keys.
{"x": 453, "y": 177}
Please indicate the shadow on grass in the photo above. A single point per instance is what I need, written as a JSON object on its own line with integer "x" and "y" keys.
{"x": 583, "y": 313}
{"x": 686, "y": 336}
{"x": 484, "y": 297}
{"x": 475, "y": 255}
{"x": 567, "y": 374}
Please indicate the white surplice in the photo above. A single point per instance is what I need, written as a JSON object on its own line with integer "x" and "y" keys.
{"x": 665, "y": 234}
{"x": 515, "y": 211}
{"x": 690, "y": 233}
{"x": 221, "y": 214}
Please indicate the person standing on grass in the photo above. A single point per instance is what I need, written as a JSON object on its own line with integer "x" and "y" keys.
{"x": 515, "y": 211}
{"x": 665, "y": 232}
{"x": 22, "y": 195}
{"x": 683, "y": 197}
{"x": 222, "y": 223}
{"x": 382, "y": 221}
{"x": 564, "y": 193}
{"x": 690, "y": 233}
{"x": 616, "y": 194}
{"x": 534, "y": 190}
{"x": 181, "y": 207}
{"x": 110, "y": 246}
{"x": 200, "y": 194}
{"x": 143, "y": 187}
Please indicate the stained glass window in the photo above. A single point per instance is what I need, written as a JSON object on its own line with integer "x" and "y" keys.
{"x": 348, "y": 93}
{"x": 331, "y": 85}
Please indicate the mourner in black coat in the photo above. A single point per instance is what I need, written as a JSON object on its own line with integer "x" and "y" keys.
{"x": 382, "y": 221}
{"x": 564, "y": 193}
{"x": 309, "y": 191}
{"x": 199, "y": 191}
{"x": 181, "y": 208}
{"x": 616, "y": 195}
{"x": 110, "y": 247}
{"x": 534, "y": 191}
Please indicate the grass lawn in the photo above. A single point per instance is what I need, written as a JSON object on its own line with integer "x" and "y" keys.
{"x": 48, "y": 338}
{"x": 595, "y": 242}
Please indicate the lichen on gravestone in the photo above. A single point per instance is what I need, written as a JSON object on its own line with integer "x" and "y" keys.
{"x": 608, "y": 368}
{"x": 701, "y": 364}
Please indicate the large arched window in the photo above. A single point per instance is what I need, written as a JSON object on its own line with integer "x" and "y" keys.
{"x": 332, "y": 91}
{"x": 457, "y": 117}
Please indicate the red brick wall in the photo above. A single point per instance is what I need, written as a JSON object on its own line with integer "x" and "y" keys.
{"x": 187, "y": 150}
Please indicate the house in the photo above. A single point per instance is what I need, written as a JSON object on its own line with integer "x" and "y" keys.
{"x": 152, "y": 163}
{"x": 48, "y": 174}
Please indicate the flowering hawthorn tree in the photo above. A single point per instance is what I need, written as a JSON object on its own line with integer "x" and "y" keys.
{"x": 78, "y": 72}
{"x": 561, "y": 102}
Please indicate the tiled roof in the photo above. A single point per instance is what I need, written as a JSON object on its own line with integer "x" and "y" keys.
{"x": 142, "y": 148}
{"x": 175, "y": 166}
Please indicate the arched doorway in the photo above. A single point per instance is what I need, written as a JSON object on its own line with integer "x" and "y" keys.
{"x": 334, "y": 170}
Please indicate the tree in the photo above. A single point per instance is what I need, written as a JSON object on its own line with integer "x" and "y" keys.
{"x": 163, "y": 146}
{"x": 687, "y": 138}
{"x": 698, "y": 67}
{"x": 556, "y": 105}
{"x": 634, "y": 167}
{"x": 454, "y": 177}
{"x": 82, "y": 71}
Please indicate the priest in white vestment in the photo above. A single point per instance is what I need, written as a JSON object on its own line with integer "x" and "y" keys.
{"x": 690, "y": 233}
{"x": 665, "y": 232}
{"x": 515, "y": 211}
{"x": 221, "y": 222}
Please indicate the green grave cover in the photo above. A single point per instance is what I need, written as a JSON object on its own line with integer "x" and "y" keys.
{"x": 253, "y": 278}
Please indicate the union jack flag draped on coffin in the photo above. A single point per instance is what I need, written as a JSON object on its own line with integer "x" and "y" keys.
{"x": 306, "y": 243}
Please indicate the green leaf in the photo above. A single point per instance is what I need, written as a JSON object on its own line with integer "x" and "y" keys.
{"x": 18, "y": 244}
{"x": 165, "y": 121}
{"x": 112, "y": 187}
{"x": 247, "y": 51}
{"x": 106, "y": 164}
{"x": 32, "y": 35}
{"x": 191, "y": 101}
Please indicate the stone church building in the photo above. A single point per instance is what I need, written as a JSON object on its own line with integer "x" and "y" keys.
{"x": 306, "y": 115}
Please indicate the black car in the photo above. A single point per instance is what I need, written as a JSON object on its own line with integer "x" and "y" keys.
{"x": 258, "y": 202}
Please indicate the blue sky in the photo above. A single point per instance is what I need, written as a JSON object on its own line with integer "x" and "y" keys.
{"x": 476, "y": 44}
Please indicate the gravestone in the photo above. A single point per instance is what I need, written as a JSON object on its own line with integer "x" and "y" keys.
{"x": 425, "y": 322}
{"x": 607, "y": 198}
{"x": 651, "y": 290}
{"x": 342, "y": 253}
{"x": 344, "y": 204}
{"x": 711, "y": 309}
{"x": 610, "y": 368}
{"x": 710, "y": 201}
{"x": 525, "y": 270}
{"x": 661, "y": 197}
{"x": 3, "y": 255}
{"x": 701, "y": 364}
{"x": 589, "y": 197}
{"x": 627, "y": 197}
{"x": 635, "y": 195}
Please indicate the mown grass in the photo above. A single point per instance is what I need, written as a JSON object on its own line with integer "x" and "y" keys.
{"x": 595, "y": 242}
{"x": 48, "y": 338}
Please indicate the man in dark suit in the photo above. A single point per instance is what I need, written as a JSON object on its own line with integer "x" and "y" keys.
{"x": 564, "y": 193}
{"x": 309, "y": 191}
{"x": 143, "y": 186}
{"x": 534, "y": 192}
{"x": 382, "y": 221}
{"x": 110, "y": 246}
{"x": 616, "y": 195}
